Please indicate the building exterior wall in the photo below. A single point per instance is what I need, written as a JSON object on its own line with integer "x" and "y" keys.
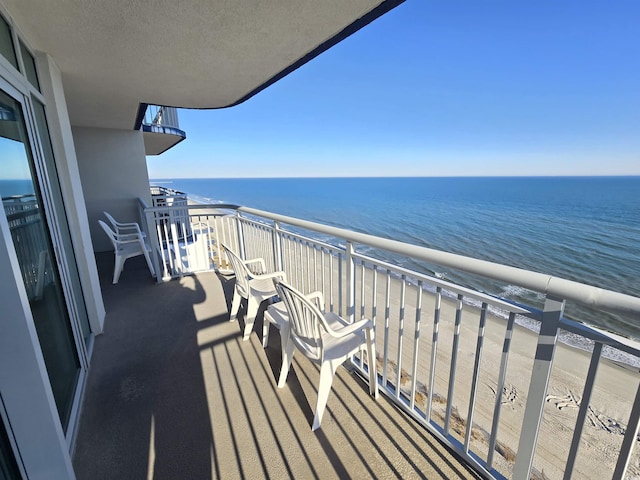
{"x": 70, "y": 183}
{"x": 114, "y": 174}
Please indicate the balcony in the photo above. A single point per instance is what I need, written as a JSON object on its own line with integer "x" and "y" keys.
{"x": 510, "y": 401}
{"x": 160, "y": 128}
{"x": 173, "y": 392}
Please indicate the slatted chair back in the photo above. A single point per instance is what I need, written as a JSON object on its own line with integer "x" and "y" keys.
{"x": 243, "y": 275}
{"x": 306, "y": 320}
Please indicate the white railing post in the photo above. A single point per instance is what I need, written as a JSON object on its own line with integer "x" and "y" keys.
{"x": 351, "y": 283}
{"x": 277, "y": 246}
{"x": 547, "y": 339}
{"x": 154, "y": 242}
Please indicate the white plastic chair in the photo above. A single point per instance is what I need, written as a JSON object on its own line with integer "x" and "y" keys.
{"x": 121, "y": 228}
{"x": 255, "y": 288}
{"x": 324, "y": 338}
{"x": 126, "y": 246}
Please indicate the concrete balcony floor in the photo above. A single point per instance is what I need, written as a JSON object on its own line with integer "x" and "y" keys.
{"x": 174, "y": 393}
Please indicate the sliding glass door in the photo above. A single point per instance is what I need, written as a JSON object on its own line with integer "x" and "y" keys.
{"x": 26, "y": 212}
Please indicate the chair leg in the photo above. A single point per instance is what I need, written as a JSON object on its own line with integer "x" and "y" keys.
{"x": 373, "y": 362}
{"x": 252, "y": 310}
{"x": 149, "y": 264}
{"x": 327, "y": 371}
{"x": 266, "y": 324}
{"x": 117, "y": 268}
{"x": 288, "y": 348}
{"x": 235, "y": 306}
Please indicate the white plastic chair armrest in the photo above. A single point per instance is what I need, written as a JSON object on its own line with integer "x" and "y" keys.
{"x": 128, "y": 236}
{"x": 127, "y": 224}
{"x": 137, "y": 239}
{"x": 266, "y": 276}
{"x": 354, "y": 327}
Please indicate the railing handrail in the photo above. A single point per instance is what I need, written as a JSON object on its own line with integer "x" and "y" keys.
{"x": 549, "y": 285}
{"x": 223, "y": 206}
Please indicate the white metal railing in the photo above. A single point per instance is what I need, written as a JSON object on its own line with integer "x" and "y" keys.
{"x": 160, "y": 116}
{"x": 442, "y": 379}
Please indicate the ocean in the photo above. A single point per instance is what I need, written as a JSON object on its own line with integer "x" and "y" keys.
{"x": 585, "y": 229}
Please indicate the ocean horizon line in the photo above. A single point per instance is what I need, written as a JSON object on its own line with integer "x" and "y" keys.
{"x": 394, "y": 176}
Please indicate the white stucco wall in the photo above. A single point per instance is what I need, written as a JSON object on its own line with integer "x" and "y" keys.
{"x": 113, "y": 170}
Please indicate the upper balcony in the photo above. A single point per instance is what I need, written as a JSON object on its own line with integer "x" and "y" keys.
{"x": 160, "y": 127}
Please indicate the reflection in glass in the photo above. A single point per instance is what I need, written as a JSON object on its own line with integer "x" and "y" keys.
{"x": 29, "y": 66}
{"x": 23, "y": 208}
{"x": 6, "y": 43}
{"x": 63, "y": 225}
{"x": 8, "y": 465}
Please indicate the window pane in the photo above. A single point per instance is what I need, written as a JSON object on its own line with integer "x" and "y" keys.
{"x": 56, "y": 193}
{"x": 29, "y": 66}
{"x": 24, "y": 209}
{"x": 6, "y": 43}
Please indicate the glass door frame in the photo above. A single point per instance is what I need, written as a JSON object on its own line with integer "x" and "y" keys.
{"x": 22, "y": 91}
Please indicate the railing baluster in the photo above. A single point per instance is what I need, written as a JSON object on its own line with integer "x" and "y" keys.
{"x": 340, "y": 284}
{"x": 416, "y": 344}
{"x": 374, "y": 301}
{"x": 454, "y": 364}
{"x": 351, "y": 283}
{"x": 584, "y": 409}
{"x": 186, "y": 245}
{"x": 476, "y": 374}
{"x": 306, "y": 246}
{"x": 500, "y": 388}
{"x": 155, "y": 245}
{"x": 218, "y": 226}
{"x": 323, "y": 275}
{"x": 403, "y": 293}
{"x": 277, "y": 246}
{"x": 290, "y": 264}
{"x": 331, "y": 281}
{"x": 289, "y": 268}
{"x": 387, "y": 313}
{"x": 362, "y": 290}
{"x": 553, "y": 309}
{"x": 240, "y": 233}
{"x": 630, "y": 438}
{"x": 434, "y": 350}
{"x": 295, "y": 264}
{"x": 165, "y": 231}
{"x": 315, "y": 268}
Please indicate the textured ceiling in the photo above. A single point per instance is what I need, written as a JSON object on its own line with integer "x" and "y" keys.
{"x": 117, "y": 54}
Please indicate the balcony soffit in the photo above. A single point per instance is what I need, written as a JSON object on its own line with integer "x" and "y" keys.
{"x": 117, "y": 54}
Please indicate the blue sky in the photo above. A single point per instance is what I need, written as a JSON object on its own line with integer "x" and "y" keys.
{"x": 441, "y": 88}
